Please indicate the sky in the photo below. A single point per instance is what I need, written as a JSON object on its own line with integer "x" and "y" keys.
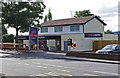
{"x": 106, "y": 9}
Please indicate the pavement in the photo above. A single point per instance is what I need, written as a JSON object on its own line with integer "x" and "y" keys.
{"x": 18, "y": 54}
{"x": 8, "y": 52}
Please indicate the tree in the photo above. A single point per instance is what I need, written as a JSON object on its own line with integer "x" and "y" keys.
{"x": 82, "y": 13}
{"x": 22, "y": 15}
{"x": 4, "y": 30}
{"x": 8, "y": 38}
{"x": 48, "y": 16}
{"x": 108, "y": 32}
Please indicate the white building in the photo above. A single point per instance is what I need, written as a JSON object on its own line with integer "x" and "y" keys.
{"x": 83, "y": 31}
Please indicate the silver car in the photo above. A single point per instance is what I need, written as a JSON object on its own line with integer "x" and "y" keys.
{"x": 111, "y": 48}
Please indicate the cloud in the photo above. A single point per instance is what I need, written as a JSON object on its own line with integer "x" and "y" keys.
{"x": 108, "y": 9}
{"x": 112, "y": 23}
{"x": 106, "y": 12}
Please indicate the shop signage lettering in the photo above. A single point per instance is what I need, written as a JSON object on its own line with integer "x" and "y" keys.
{"x": 93, "y": 35}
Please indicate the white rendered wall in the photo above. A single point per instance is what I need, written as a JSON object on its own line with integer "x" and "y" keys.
{"x": 94, "y": 26}
{"x": 83, "y": 44}
{"x": 66, "y": 30}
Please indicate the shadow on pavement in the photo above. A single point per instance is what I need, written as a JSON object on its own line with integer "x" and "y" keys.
{"x": 33, "y": 55}
{"x": 48, "y": 55}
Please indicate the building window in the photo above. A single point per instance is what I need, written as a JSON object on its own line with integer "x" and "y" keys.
{"x": 44, "y": 29}
{"x": 58, "y": 29}
{"x": 74, "y": 28}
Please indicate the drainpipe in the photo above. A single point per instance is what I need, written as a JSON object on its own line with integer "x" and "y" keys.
{"x": 83, "y": 29}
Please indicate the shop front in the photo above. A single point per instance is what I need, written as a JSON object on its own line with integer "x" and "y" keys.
{"x": 23, "y": 41}
{"x": 51, "y": 43}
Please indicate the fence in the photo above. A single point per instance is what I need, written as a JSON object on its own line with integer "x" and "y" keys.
{"x": 113, "y": 57}
{"x": 9, "y": 46}
{"x": 12, "y": 46}
{"x": 98, "y": 44}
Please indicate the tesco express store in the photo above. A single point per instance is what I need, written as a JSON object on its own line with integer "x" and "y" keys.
{"x": 83, "y": 31}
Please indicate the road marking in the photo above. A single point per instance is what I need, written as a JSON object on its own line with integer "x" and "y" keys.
{"x": 35, "y": 63}
{"x": 50, "y": 65}
{"x": 51, "y": 74}
{"x": 106, "y": 72}
{"x": 10, "y": 59}
{"x": 42, "y": 67}
{"x": 27, "y": 64}
{"x": 19, "y": 63}
{"x": 87, "y": 74}
{"x": 63, "y": 70}
{"x": 56, "y": 66}
{"x": 57, "y": 74}
{"x": 67, "y": 75}
{"x": 39, "y": 75}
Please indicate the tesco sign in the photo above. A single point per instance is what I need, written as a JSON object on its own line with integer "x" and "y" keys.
{"x": 93, "y": 35}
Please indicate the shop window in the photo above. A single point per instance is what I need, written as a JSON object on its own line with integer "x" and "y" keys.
{"x": 44, "y": 29}
{"x": 74, "y": 28}
{"x": 58, "y": 29}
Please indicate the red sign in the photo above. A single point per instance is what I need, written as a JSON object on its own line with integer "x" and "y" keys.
{"x": 93, "y": 35}
{"x": 33, "y": 37}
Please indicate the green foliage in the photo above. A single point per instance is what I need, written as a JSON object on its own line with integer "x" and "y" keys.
{"x": 4, "y": 30}
{"x": 108, "y": 32}
{"x": 8, "y": 38}
{"x": 45, "y": 19}
{"x": 82, "y": 13}
{"x": 48, "y": 16}
{"x": 21, "y": 15}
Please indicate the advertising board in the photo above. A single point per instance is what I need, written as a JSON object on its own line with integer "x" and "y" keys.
{"x": 33, "y": 37}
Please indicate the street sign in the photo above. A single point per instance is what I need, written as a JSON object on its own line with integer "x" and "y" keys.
{"x": 69, "y": 42}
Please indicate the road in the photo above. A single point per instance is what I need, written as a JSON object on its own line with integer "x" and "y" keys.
{"x": 53, "y": 64}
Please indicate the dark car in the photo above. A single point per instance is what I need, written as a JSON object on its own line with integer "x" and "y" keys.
{"x": 111, "y": 48}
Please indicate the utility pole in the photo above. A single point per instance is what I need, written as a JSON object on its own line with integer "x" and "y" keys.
{"x": 1, "y": 36}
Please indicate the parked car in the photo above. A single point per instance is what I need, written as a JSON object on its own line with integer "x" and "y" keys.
{"x": 111, "y": 48}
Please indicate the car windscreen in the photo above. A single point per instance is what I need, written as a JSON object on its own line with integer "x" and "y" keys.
{"x": 109, "y": 47}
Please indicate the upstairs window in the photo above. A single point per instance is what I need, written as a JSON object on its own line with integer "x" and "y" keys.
{"x": 58, "y": 29}
{"x": 44, "y": 29}
{"x": 74, "y": 28}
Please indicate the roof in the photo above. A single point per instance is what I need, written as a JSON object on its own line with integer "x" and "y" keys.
{"x": 70, "y": 21}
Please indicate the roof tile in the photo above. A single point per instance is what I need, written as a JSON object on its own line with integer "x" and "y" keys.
{"x": 68, "y": 21}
